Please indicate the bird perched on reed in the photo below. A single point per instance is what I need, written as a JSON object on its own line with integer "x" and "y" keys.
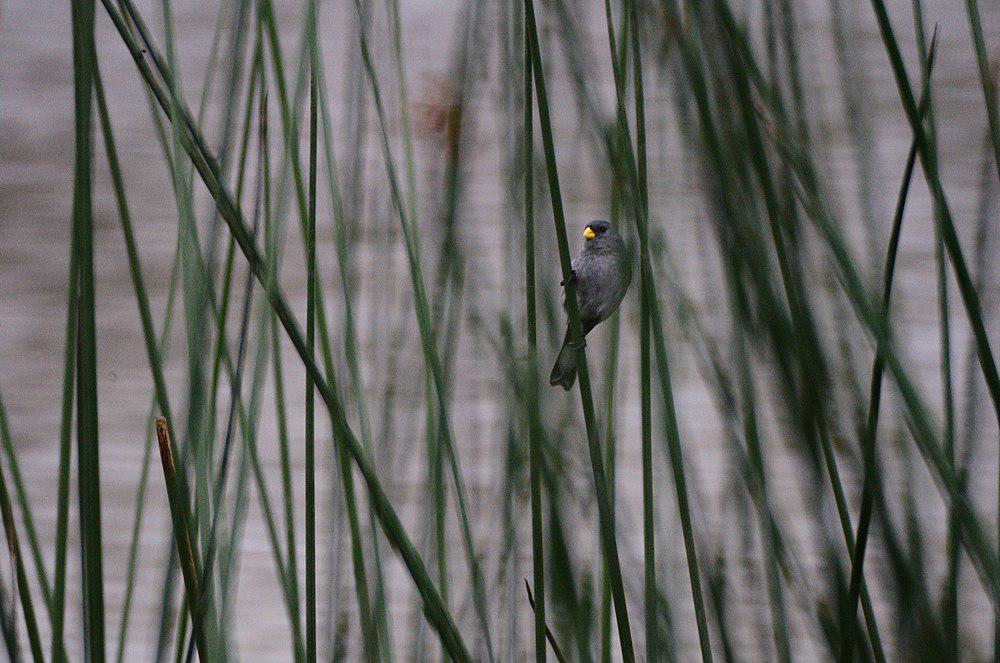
{"x": 601, "y": 275}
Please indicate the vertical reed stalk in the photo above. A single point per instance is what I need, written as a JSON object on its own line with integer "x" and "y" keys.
{"x": 21, "y": 576}
{"x": 534, "y": 432}
{"x": 310, "y": 451}
{"x": 607, "y": 534}
{"x": 878, "y": 367}
{"x": 88, "y": 466}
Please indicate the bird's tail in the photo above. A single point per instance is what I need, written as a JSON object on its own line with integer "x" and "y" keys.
{"x": 564, "y": 371}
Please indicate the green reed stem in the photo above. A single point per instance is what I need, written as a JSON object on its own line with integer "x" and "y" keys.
{"x": 928, "y": 159}
{"x": 675, "y": 451}
{"x": 88, "y": 465}
{"x": 14, "y": 549}
{"x": 310, "y": 442}
{"x": 534, "y": 434}
{"x": 646, "y": 414}
{"x": 556, "y": 649}
{"x": 871, "y": 429}
{"x": 607, "y": 534}
{"x": 58, "y": 607}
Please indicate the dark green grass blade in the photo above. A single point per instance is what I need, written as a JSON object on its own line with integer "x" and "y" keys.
{"x": 236, "y": 387}
{"x": 135, "y": 270}
{"x": 199, "y": 274}
{"x": 646, "y": 412}
{"x": 875, "y": 397}
{"x": 137, "y": 520}
{"x": 534, "y": 441}
{"x": 928, "y": 159}
{"x": 949, "y": 597}
{"x": 8, "y": 624}
{"x": 547, "y": 633}
{"x": 14, "y": 550}
{"x": 918, "y": 421}
{"x": 291, "y": 145}
{"x": 636, "y": 180}
{"x": 608, "y": 544}
{"x": 351, "y": 349}
{"x": 310, "y": 441}
{"x": 58, "y": 608}
{"x": 26, "y": 514}
{"x": 25, "y": 507}
{"x": 987, "y": 78}
{"x": 88, "y": 467}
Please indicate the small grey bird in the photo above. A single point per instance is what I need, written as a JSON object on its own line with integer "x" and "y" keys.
{"x": 601, "y": 274}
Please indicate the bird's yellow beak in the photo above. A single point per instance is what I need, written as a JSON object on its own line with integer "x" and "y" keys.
{"x": 588, "y": 233}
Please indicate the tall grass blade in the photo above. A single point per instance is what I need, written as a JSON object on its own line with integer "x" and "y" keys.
{"x": 646, "y": 410}
{"x": 928, "y": 159}
{"x": 987, "y": 78}
{"x": 875, "y": 397}
{"x": 310, "y": 441}
{"x": 607, "y": 535}
{"x": 556, "y": 649}
{"x": 21, "y": 576}
{"x": 637, "y": 181}
{"x": 58, "y": 606}
{"x": 534, "y": 433}
{"x": 88, "y": 466}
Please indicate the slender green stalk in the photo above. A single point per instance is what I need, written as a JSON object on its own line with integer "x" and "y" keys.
{"x": 291, "y": 145}
{"x": 7, "y": 443}
{"x": 135, "y": 271}
{"x": 310, "y": 442}
{"x": 556, "y": 649}
{"x": 14, "y": 549}
{"x": 871, "y": 429}
{"x": 986, "y": 78}
{"x": 534, "y": 436}
{"x": 608, "y": 544}
{"x": 646, "y": 413}
{"x": 640, "y": 208}
{"x": 974, "y": 541}
{"x": 610, "y": 464}
{"x": 236, "y": 386}
{"x": 949, "y": 599}
{"x": 88, "y": 466}
{"x": 58, "y": 607}
{"x": 928, "y": 159}
{"x": 989, "y": 84}
{"x": 133, "y": 554}
{"x": 807, "y": 191}
{"x": 351, "y": 350}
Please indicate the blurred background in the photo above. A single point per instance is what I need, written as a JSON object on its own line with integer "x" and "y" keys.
{"x": 761, "y": 407}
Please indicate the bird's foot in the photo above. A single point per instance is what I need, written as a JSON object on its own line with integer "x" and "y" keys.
{"x": 572, "y": 278}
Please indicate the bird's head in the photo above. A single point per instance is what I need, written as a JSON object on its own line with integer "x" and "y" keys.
{"x": 599, "y": 234}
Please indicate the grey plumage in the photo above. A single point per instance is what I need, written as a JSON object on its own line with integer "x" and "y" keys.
{"x": 601, "y": 274}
